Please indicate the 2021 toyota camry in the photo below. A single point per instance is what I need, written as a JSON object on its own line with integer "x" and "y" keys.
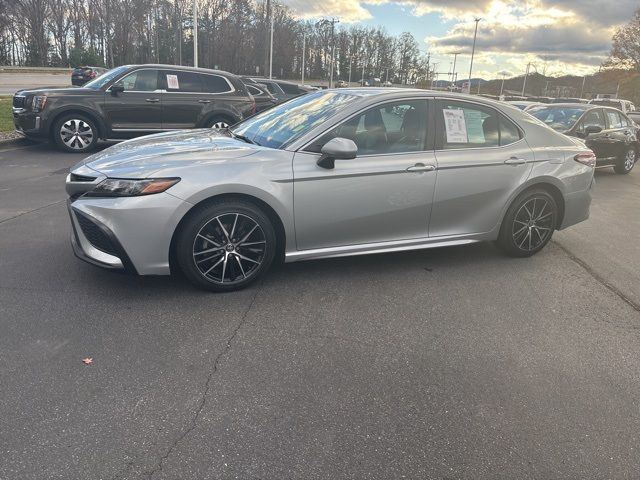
{"x": 332, "y": 173}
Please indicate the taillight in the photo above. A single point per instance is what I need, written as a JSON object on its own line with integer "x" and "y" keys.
{"x": 586, "y": 158}
{"x": 92, "y": 74}
{"x": 253, "y": 106}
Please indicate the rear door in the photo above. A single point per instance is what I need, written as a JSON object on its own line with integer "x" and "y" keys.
{"x": 617, "y": 133}
{"x": 138, "y": 107}
{"x": 482, "y": 159}
{"x": 183, "y": 100}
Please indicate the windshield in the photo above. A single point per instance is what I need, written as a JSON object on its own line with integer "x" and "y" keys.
{"x": 280, "y": 125}
{"x": 105, "y": 78}
{"x": 558, "y": 118}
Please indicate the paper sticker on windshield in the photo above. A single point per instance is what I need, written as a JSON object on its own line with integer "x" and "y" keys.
{"x": 172, "y": 82}
{"x": 455, "y": 126}
{"x": 475, "y": 131}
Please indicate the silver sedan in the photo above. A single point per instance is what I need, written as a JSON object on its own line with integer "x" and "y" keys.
{"x": 332, "y": 173}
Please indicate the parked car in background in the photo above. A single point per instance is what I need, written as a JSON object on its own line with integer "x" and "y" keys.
{"x": 342, "y": 84}
{"x": 611, "y": 135}
{"x": 569, "y": 100}
{"x": 281, "y": 89}
{"x": 523, "y": 104}
{"x": 625, "y": 106}
{"x": 129, "y": 101}
{"x": 635, "y": 116}
{"x": 332, "y": 173}
{"x": 82, "y": 75}
{"x": 261, "y": 95}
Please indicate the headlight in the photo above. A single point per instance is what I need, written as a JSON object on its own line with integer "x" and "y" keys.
{"x": 38, "y": 103}
{"x": 119, "y": 187}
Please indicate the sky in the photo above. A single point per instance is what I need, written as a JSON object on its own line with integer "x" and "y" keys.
{"x": 556, "y": 37}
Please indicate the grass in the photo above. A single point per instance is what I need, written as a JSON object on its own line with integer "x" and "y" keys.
{"x": 6, "y": 117}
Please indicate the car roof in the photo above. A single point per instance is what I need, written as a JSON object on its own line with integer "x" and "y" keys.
{"x": 182, "y": 68}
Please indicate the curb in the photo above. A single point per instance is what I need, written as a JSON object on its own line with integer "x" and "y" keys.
{"x": 14, "y": 141}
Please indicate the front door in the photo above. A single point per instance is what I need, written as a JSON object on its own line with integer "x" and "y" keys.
{"x": 138, "y": 107}
{"x": 482, "y": 160}
{"x": 598, "y": 142}
{"x": 384, "y": 194}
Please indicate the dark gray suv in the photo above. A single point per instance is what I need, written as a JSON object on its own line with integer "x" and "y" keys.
{"x": 129, "y": 101}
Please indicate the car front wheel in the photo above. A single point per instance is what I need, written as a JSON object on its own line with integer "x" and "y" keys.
{"x": 226, "y": 245}
{"x": 626, "y": 163}
{"x": 528, "y": 224}
{"x": 75, "y": 133}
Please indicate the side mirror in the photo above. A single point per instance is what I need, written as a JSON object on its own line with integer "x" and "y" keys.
{"x": 337, "y": 149}
{"x": 592, "y": 129}
{"x": 117, "y": 88}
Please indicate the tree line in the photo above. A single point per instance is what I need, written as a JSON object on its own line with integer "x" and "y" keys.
{"x": 232, "y": 35}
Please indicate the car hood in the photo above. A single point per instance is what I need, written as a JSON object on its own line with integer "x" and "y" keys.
{"x": 142, "y": 157}
{"x": 60, "y": 91}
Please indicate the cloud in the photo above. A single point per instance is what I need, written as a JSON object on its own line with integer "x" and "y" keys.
{"x": 347, "y": 11}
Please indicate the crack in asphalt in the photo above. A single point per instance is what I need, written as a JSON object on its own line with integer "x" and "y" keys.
{"x": 599, "y": 278}
{"x": 31, "y": 211}
{"x": 207, "y": 386}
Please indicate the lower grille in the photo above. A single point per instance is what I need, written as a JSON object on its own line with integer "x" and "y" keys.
{"x": 95, "y": 235}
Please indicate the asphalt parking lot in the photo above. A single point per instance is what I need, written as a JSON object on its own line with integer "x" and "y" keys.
{"x": 451, "y": 363}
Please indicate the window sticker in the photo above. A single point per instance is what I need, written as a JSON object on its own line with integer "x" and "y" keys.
{"x": 172, "y": 82}
{"x": 455, "y": 126}
{"x": 475, "y": 132}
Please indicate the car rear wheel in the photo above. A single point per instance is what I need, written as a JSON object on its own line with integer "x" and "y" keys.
{"x": 75, "y": 133}
{"x": 626, "y": 163}
{"x": 528, "y": 224}
{"x": 226, "y": 245}
{"x": 219, "y": 122}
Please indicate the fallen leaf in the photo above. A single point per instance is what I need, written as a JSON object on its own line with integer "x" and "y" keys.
{"x": 87, "y": 361}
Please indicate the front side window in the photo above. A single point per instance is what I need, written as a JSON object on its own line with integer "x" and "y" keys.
{"x": 282, "y": 124}
{"x": 468, "y": 125}
{"x": 394, "y": 127}
{"x": 140, "y": 81}
{"x": 105, "y": 78}
{"x": 593, "y": 118}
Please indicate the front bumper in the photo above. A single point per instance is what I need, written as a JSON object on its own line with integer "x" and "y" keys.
{"x": 28, "y": 123}
{"x": 126, "y": 233}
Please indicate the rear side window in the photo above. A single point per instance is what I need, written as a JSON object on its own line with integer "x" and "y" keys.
{"x": 614, "y": 120}
{"x": 256, "y": 92}
{"x": 184, "y": 82}
{"x": 140, "y": 81}
{"x": 215, "y": 84}
{"x": 273, "y": 88}
{"x": 289, "y": 89}
{"x": 468, "y": 125}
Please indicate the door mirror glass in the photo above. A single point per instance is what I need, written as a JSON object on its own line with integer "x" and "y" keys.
{"x": 589, "y": 129}
{"x": 337, "y": 149}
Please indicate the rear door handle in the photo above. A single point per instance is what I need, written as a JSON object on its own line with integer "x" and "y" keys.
{"x": 421, "y": 167}
{"x": 515, "y": 161}
{"x": 204, "y": 101}
{"x": 152, "y": 100}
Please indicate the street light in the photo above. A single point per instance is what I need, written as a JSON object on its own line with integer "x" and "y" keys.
{"x": 473, "y": 50}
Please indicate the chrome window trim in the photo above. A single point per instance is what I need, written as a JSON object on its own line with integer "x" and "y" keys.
{"x": 380, "y": 102}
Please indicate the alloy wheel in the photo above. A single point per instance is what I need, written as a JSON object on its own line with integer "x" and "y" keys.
{"x": 76, "y": 134}
{"x": 220, "y": 124}
{"x": 229, "y": 248}
{"x": 533, "y": 224}
{"x": 629, "y": 159}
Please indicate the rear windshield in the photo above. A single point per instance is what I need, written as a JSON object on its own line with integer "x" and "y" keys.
{"x": 558, "y": 118}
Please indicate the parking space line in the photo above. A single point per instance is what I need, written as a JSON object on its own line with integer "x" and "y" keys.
{"x": 31, "y": 211}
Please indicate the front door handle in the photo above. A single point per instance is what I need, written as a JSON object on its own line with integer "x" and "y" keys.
{"x": 152, "y": 100}
{"x": 515, "y": 161}
{"x": 204, "y": 101}
{"x": 421, "y": 167}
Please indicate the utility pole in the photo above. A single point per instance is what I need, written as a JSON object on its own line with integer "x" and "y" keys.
{"x": 453, "y": 72}
{"x": 350, "y": 65}
{"x": 524, "y": 84}
{"x": 267, "y": 21}
{"x": 304, "y": 41}
{"x": 195, "y": 33}
{"x": 473, "y": 50}
{"x": 502, "y": 85}
{"x": 584, "y": 79}
{"x": 271, "y": 49}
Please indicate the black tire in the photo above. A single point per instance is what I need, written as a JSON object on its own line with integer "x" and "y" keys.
{"x": 528, "y": 224}
{"x": 625, "y": 163}
{"x": 210, "y": 261}
{"x": 81, "y": 133}
{"x": 219, "y": 121}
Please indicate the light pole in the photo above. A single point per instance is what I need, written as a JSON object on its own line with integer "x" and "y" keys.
{"x": 195, "y": 33}
{"x": 524, "y": 83}
{"x": 584, "y": 79}
{"x": 271, "y": 49}
{"x": 473, "y": 50}
{"x": 304, "y": 40}
{"x": 504, "y": 75}
{"x": 453, "y": 72}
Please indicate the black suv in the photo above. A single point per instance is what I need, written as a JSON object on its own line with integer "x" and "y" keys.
{"x": 129, "y": 101}
{"x": 82, "y": 75}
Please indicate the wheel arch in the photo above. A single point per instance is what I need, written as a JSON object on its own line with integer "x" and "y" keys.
{"x": 78, "y": 110}
{"x": 546, "y": 183}
{"x": 233, "y": 119}
{"x": 274, "y": 217}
